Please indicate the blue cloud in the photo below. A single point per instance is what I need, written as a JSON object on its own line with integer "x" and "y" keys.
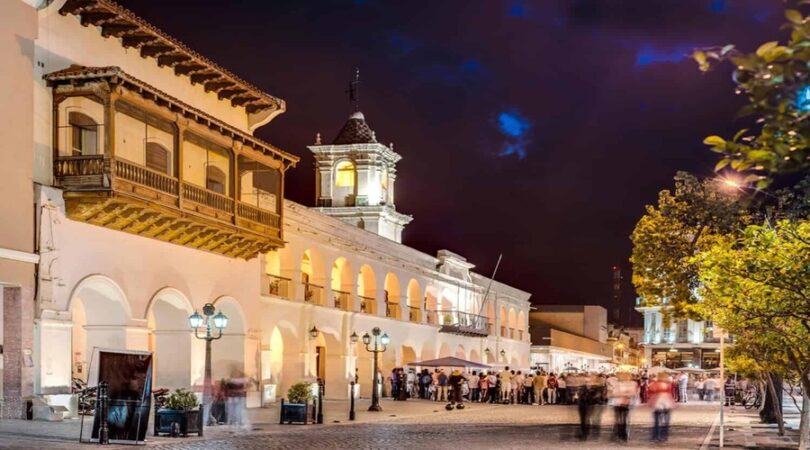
{"x": 402, "y": 43}
{"x": 515, "y": 128}
{"x": 517, "y": 9}
{"x": 648, "y": 55}
{"x": 718, "y": 6}
{"x": 463, "y": 72}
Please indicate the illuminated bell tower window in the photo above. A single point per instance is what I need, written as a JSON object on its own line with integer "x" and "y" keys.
{"x": 345, "y": 174}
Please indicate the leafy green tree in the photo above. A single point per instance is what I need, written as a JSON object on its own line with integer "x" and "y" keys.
{"x": 776, "y": 83}
{"x": 757, "y": 287}
{"x": 670, "y": 233}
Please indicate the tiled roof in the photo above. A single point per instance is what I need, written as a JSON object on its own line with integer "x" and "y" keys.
{"x": 118, "y": 22}
{"x": 355, "y": 131}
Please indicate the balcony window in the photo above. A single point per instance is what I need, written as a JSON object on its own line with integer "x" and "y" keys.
{"x": 84, "y": 134}
{"x": 157, "y": 158}
{"x": 215, "y": 179}
{"x": 259, "y": 184}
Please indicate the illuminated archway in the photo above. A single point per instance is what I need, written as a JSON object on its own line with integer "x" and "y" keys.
{"x": 170, "y": 339}
{"x": 367, "y": 289}
{"x": 342, "y": 284}
{"x": 393, "y": 301}
{"x": 414, "y": 295}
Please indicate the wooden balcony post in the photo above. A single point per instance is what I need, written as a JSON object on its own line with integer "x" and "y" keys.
{"x": 236, "y": 149}
{"x": 109, "y": 121}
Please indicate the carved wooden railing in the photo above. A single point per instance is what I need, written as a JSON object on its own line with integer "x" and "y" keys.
{"x": 208, "y": 198}
{"x": 72, "y": 166}
{"x": 277, "y": 286}
{"x": 257, "y": 215}
{"x": 145, "y": 176}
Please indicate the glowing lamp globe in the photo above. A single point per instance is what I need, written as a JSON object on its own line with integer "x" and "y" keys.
{"x": 366, "y": 339}
{"x": 195, "y": 320}
{"x": 220, "y": 320}
{"x": 354, "y": 337}
{"x": 385, "y": 339}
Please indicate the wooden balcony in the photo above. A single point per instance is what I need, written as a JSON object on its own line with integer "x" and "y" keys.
{"x": 115, "y": 193}
{"x": 465, "y": 324}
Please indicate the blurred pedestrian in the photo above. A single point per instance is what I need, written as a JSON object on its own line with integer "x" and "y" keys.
{"x": 683, "y": 384}
{"x": 539, "y": 385}
{"x": 730, "y": 391}
{"x": 622, "y": 393}
{"x": 662, "y": 402}
{"x": 552, "y": 388}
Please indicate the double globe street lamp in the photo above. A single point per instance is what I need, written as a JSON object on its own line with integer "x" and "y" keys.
{"x": 375, "y": 343}
{"x": 211, "y": 320}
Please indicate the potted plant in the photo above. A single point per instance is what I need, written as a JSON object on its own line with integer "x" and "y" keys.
{"x": 179, "y": 414}
{"x": 296, "y": 408}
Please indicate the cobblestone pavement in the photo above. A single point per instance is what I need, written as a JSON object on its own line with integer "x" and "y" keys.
{"x": 402, "y": 426}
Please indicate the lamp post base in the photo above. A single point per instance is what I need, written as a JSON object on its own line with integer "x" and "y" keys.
{"x": 376, "y": 408}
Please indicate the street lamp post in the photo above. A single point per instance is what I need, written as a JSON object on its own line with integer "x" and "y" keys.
{"x": 210, "y": 321}
{"x": 375, "y": 344}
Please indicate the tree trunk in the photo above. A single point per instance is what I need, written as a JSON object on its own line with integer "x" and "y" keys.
{"x": 777, "y": 403}
{"x": 804, "y": 424}
{"x": 771, "y": 401}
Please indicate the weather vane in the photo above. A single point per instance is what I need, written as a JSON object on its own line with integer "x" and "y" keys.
{"x": 354, "y": 90}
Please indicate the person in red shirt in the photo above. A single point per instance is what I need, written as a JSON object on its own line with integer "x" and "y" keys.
{"x": 661, "y": 401}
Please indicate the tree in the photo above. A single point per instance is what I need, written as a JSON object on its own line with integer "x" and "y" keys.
{"x": 757, "y": 287}
{"x": 776, "y": 82}
{"x": 671, "y": 233}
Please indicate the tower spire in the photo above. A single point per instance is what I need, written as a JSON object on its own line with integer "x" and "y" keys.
{"x": 354, "y": 90}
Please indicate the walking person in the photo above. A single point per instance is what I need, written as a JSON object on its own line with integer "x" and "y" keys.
{"x": 528, "y": 390}
{"x": 539, "y": 385}
{"x": 483, "y": 386}
{"x": 562, "y": 390}
{"x": 662, "y": 402}
{"x": 623, "y": 392}
{"x": 552, "y": 388}
{"x": 730, "y": 390}
{"x": 683, "y": 385}
{"x": 394, "y": 379}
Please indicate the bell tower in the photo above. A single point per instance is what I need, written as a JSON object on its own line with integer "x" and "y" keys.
{"x": 355, "y": 177}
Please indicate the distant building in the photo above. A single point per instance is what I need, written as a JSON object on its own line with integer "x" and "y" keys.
{"x": 570, "y": 337}
{"x": 681, "y": 343}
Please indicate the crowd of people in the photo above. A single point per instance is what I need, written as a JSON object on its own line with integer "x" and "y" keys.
{"x": 590, "y": 392}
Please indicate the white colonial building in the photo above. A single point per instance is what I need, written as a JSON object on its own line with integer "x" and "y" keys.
{"x": 153, "y": 198}
{"x": 677, "y": 343}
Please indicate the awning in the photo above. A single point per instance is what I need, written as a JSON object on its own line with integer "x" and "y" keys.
{"x": 449, "y": 361}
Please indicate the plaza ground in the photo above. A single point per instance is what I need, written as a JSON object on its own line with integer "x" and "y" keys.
{"x": 411, "y": 424}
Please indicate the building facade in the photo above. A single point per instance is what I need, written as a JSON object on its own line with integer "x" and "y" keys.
{"x": 677, "y": 343}
{"x": 152, "y": 197}
{"x": 571, "y": 338}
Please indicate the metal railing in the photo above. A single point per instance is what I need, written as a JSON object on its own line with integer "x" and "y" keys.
{"x": 277, "y": 286}
{"x": 313, "y": 293}
{"x": 431, "y": 317}
{"x": 145, "y": 176}
{"x": 342, "y": 299}
{"x": 392, "y": 308}
{"x": 367, "y": 304}
{"x": 413, "y": 314}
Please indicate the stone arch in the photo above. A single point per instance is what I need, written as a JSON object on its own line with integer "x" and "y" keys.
{"x": 342, "y": 283}
{"x": 475, "y": 356}
{"x": 414, "y": 296}
{"x": 512, "y": 323}
{"x": 327, "y": 361}
{"x": 431, "y": 305}
{"x": 447, "y": 301}
{"x": 407, "y": 355}
{"x": 228, "y": 353}
{"x": 367, "y": 289}
{"x": 101, "y": 313}
{"x": 460, "y": 352}
{"x": 170, "y": 339}
{"x": 444, "y": 350}
{"x": 313, "y": 277}
{"x": 393, "y": 299}
{"x": 504, "y": 320}
{"x": 521, "y": 325}
{"x": 280, "y": 358}
{"x": 428, "y": 351}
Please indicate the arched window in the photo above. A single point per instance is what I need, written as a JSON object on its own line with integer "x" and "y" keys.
{"x": 84, "y": 134}
{"x": 344, "y": 174}
{"x": 157, "y": 158}
{"x": 215, "y": 179}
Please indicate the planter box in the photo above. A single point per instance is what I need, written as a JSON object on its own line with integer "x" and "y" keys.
{"x": 187, "y": 422}
{"x": 296, "y": 413}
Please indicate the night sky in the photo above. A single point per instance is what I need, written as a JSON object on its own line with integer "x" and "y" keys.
{"x": 538, "y": 129}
